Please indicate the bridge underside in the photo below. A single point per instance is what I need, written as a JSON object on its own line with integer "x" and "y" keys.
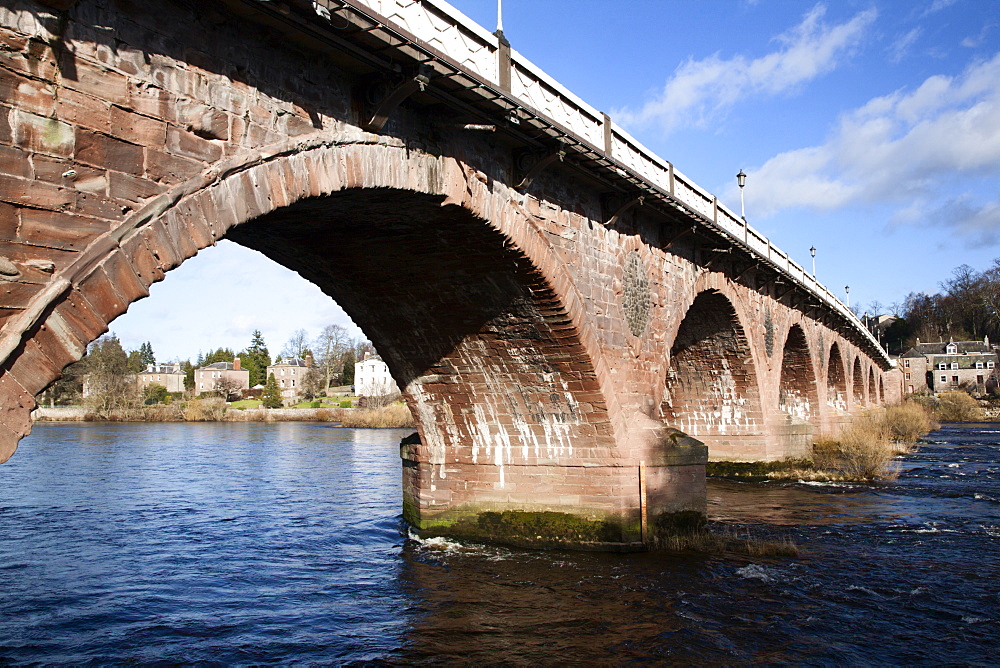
{"x": 554, "y": 356}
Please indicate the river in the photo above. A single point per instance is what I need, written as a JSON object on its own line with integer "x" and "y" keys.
{"x": 233, "y": 543}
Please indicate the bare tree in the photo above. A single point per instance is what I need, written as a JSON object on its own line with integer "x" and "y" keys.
{"x": 331, "y": 345}
{"x": 228, "y": 388}
{"x": 297, "y": 345}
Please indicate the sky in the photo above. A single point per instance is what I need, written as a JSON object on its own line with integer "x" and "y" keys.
{"x": 868, "y": 129}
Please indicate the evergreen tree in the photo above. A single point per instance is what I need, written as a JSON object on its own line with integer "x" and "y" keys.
{"x": 135, "y": 363}
{"x": 146, "y": 352}
{"x": 188, "y": 370}
{"x": 256, "y": 359}
{"x": 347, "y": 377}
{"x": 219, "y": 355}
{"x": 272, "y": 395}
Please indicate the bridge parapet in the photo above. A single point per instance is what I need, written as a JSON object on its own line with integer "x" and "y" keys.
{"x": 442, "y": 37}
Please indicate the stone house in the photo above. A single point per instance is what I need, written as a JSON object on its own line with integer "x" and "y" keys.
{"x": 943, "y": 366}
{"x": 210, "y": 378}
{"x": 290, "y": 374}
{"x": 169, "y": 376}
{"x": 372, "y": 378}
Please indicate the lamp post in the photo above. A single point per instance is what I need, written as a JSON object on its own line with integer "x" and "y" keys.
{"x": 741, "y": 180}
{"x": 812, "y": 251}
{"x": 847, "y": 289}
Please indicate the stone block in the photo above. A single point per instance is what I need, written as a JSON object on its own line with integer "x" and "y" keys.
{"x": 32, "y": 369}
{"x": 17, "y": 294}
{"x": 190, "y": 145}
{"x": 132, "y": 188}
{"x": 35, "y": 193}
{"x": 85, "y": 323}
{"x": 102, "y": 296}
{"x": 169, "y": 169}
{"x": 100, "y": 150}
{"x": 136, "y": 128}
{"x": 99, "y": 81}
{"x": 42, "y": 135}
{"x": 14, "y": 161}
{"x": 58, "y": 342}
{"x": 26, "y": 94}
{"x": 119, "y": 270}
{"x": 80, "y": 109}
{"x": 59, "y": 229}
{"x": 16, "y": 405}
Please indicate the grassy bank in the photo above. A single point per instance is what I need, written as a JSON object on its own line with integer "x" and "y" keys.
{"x": 866, "y": 450}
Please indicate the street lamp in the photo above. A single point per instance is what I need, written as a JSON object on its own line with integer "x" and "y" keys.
{"x": 741, "y": 180}
{"x": 847, "y": 289}
{"x": 812, "y": 251}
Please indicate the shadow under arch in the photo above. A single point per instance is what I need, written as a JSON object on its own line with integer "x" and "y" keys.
{"x": 836, "y": 379}
{"x": 857, "y": 384}
{"x": 874, "y": 398}
{"x": 461, "y": 317}
{"x": 711, "y": 384}
{"x": 797, "y": 395}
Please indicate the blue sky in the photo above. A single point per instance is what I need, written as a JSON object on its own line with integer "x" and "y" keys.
{"x": 869, "y": 129}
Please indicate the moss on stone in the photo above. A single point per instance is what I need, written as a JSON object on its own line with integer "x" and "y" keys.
{"x": 751, "y": 470}
{"x": 535, "y": 529}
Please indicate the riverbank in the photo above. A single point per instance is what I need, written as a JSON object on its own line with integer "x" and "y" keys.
{"x": 391, "y": 417}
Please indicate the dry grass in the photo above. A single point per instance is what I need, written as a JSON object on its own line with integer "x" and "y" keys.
{"x": 728, "y": 542}
{"x": 204, "y": 410}
{"x": 866, "y": 450}
{"x": 909, "y": 421}
{"x": 394, "y": 416}
{"x": 957, "y": 407}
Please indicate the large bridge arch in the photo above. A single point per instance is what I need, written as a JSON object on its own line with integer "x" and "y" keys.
{"x": 482, "y": 333}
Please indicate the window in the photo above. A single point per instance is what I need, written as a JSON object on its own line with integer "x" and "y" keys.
{"x": 954, "y": 366}
{"x": 980, "y": 380}
{"x": 979, "y": 365}
{"x": 293, "y": 382}
{"x": 942, "y": 366}
{"x": 952, "y": 349}
{"x": 906, "y": 363}
{"x": 954, "y": 380}
{"x": 944, "y": 379}
{"x": 282, "y": 382}
{"x": 907, "y": 375}
{"x": 989, "y": 365}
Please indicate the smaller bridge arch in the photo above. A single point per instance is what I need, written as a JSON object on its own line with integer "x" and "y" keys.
{"x": 857, "y": 384}
{"x": 712, "y": 385}
{"x": 836, "y": 379}
{"x": 797, "y": 396}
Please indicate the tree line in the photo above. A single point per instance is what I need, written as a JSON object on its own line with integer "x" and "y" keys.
{"x": 966, "y": 309}
{"x": 107, "y": 366}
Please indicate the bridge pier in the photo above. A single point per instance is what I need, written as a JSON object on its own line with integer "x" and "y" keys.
{"x": 606, "y": 506}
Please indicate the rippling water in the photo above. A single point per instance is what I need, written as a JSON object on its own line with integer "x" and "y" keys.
{"x": 243, "y": 543}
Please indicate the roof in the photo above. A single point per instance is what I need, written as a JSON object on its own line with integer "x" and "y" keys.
{"x": 941, "y": 348}
{"x": 219, "y": 365}
{"x": 295, "y": 361}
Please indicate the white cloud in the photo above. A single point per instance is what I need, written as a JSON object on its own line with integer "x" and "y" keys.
{"x": 899, "y": 49}
{"x": 700, "y": 89}
{"x": 923, "y": 151}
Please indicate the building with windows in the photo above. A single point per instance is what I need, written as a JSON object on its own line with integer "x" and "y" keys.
{"x": 952, "y": 365}
{"x": 221, "y": 375}
{"x": 290, "y": 373}
{"x": 169, "y": 376}
{"x": 372, "y": 378}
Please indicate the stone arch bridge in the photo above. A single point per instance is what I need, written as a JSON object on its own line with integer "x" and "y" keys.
{"x": 557, "y": 302}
